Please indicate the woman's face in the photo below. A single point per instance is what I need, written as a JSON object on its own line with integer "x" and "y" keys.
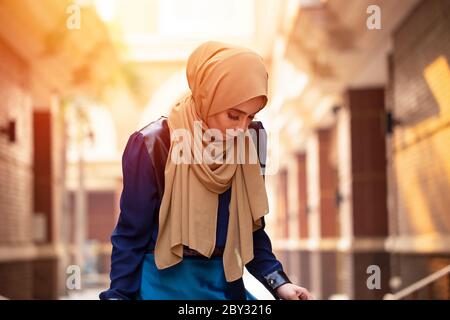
{"x": 238, "y": 117}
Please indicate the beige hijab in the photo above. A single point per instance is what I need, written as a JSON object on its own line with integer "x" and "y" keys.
{"x": 220, "y": 77}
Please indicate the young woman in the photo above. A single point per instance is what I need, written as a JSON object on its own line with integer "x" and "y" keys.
{"x": 187, "y": 228}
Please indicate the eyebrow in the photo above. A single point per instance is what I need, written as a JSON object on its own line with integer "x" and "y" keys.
{"x": 240, "y": 111}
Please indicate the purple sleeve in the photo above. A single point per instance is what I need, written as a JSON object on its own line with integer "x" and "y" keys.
{"x": 132, "y": 233}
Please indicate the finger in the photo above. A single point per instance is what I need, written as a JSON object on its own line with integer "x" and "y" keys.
{"x": 303, "y": 296}
{"x": 299, "y": 291}
{"x": 310, "y": 296}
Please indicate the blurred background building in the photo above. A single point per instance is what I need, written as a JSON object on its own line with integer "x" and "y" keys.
{"x": 360, "y": 119}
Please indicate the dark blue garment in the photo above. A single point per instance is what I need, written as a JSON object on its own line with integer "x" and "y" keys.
{"x": 143, "y": 163}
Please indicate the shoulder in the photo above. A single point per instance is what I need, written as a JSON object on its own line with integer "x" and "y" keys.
{"x": 256, "y": 125}
{"x": 156, "y": 134}
{"x": 259, "y": 136}
{"x": 158, "y": 131}
{"x": 147, "y": 151}
{"x": 258, "y": 132}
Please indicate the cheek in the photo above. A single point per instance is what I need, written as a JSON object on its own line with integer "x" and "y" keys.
{"x": 222, "y": 122}
{"x": 225, "y": 121}
{"x": 216, "y": 122}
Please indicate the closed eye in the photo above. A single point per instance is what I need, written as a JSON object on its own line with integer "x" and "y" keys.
{"x": 232, "y": 116}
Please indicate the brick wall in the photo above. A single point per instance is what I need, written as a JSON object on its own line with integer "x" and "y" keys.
{"x": 419, "y": 153}
{"x": 16, "y": 280}
{"x": 15, "y": 174}
{"x": 421, "y": 101}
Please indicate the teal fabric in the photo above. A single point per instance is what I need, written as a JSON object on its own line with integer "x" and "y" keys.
{"x": 194, "y": 278}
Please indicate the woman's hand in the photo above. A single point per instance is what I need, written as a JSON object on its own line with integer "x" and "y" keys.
{"x": 289, "y": 291}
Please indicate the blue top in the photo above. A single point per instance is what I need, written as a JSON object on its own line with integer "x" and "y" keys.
{"x": 143, "y": 164}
